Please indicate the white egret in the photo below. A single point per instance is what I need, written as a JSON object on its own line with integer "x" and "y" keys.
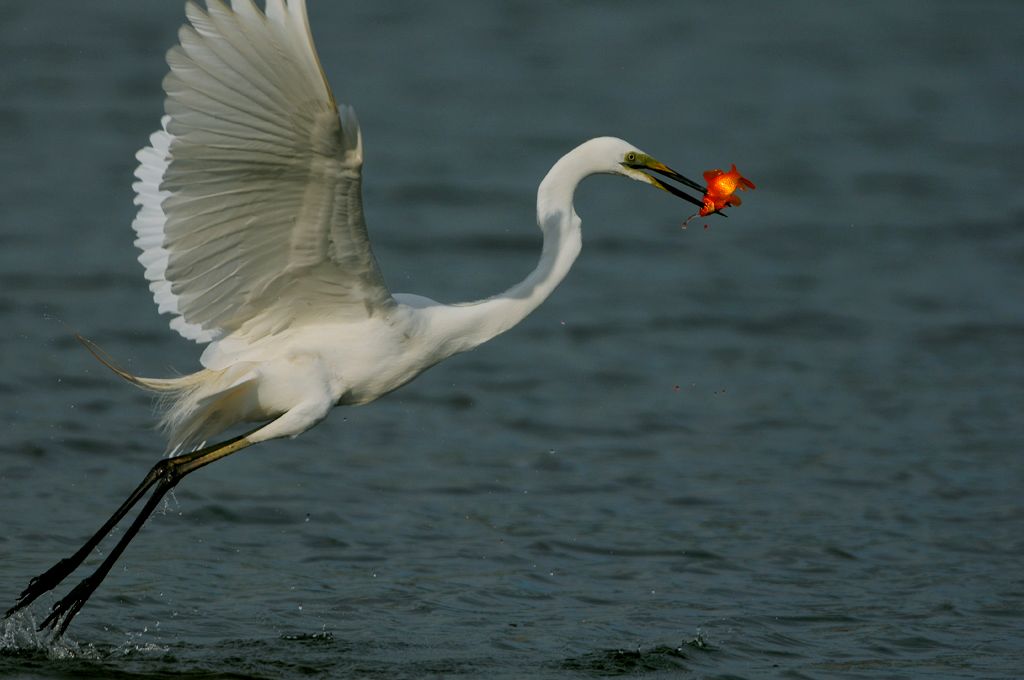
{"x": 251, "y": 229}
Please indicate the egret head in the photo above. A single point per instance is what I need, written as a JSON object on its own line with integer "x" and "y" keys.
{"x": 638, "y": 165}
{"x": 613, "y": 156}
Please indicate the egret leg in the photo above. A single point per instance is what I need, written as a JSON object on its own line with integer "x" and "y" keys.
{"x": 52, "y": 577}
{"x": 64, "y": 611}
{"x": 164, "y": 475}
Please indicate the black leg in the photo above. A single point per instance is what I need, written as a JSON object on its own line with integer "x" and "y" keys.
{"x": 52, "y": 577}
{"x": 64, "y": 610}
{"x": 165, "y": 475}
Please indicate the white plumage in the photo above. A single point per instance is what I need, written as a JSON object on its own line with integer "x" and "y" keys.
{"x": 251, "y": 228}
{"x": 250, "y": 216}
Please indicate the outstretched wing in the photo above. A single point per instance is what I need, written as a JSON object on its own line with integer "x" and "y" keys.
{"x": 250, "y": 196}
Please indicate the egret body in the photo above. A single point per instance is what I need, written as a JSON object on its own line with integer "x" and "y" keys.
{"x": 252, "y": 235}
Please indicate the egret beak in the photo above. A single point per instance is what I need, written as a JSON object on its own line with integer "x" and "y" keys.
{"x": 662, "y": 169}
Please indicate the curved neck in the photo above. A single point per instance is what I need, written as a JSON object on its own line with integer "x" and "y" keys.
{"x": 470, "y": 324}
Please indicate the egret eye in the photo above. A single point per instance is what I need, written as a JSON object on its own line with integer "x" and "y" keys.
{"x": 631, "y": 157}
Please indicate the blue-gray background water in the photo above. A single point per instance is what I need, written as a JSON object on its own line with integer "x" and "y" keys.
{"x": 785, "y": 445}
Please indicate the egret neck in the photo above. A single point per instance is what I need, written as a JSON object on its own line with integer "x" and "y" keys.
{"x": 470, "y": 324}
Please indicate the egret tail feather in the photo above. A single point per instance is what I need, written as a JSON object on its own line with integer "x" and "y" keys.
{"x": 196, "y": 407}
{"x": 152, "y": 384}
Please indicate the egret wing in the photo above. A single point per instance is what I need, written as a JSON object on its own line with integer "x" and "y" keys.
{"x": 250, "y": 196}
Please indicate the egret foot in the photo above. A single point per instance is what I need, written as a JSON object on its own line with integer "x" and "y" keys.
{"x": 64, "y": 611}
{"x": 46, "y": 581}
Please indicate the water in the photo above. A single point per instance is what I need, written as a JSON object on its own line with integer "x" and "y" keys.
{"x": 787, "y": 445}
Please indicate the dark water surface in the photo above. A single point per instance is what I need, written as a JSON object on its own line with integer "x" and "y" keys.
{"x": 788, "y": 445}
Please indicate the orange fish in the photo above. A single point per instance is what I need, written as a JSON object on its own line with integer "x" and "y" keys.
{"x": 722, "y": 187}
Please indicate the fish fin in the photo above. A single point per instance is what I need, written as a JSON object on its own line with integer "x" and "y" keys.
{"x": 710, "y": 175}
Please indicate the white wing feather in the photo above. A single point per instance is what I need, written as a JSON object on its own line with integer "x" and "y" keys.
{"x": 250, "y": 207}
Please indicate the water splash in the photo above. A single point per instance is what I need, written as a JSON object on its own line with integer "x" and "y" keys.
{"x": 20, "y": 637}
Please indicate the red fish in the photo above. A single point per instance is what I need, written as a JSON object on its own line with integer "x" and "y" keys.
{"x": 722, "y": 187}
